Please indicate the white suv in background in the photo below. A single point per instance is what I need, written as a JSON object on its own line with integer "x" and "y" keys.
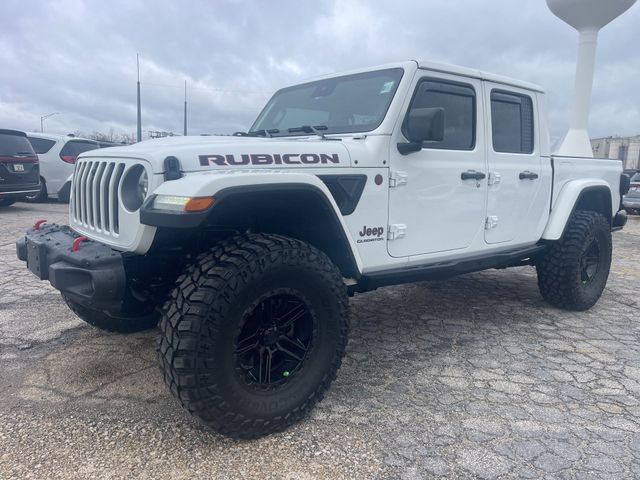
{"x": 57, "y": 154}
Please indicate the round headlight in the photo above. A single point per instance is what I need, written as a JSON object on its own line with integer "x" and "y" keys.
{"x": 135, "y": 187}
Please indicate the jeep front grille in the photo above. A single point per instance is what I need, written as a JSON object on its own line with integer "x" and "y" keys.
{"x": 95, "y": 202}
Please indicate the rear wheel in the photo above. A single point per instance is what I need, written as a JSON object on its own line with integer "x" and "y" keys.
{"x": 133, "y": 320}
{"x": 254, "y": 334}
{"x": 6, "y": 202}
{"x": 39, "y": 196}
{"x": 573, "y": 271}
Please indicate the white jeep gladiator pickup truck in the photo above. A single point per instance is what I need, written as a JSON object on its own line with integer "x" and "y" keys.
{"x": 246, "y": 248}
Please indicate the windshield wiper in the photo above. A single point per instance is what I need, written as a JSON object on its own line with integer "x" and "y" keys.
{"x": 257, "y": 133}
{"x": 315, "y": 130}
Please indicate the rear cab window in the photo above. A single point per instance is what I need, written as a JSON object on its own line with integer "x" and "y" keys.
{"x": 512, "y": 122}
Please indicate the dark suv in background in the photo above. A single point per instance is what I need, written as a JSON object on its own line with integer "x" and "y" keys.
{"x": 19, "y": 167}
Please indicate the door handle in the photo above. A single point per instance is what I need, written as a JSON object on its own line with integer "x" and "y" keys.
{"x": 472, "y": 175}
{"x": 527, "y": 175}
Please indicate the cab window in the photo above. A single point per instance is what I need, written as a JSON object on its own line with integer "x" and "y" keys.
{"x": 511, "y": 122}
{"x": 459, "y": 103}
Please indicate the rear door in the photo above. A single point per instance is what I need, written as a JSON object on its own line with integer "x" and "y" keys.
{"x": 518, "y": 184}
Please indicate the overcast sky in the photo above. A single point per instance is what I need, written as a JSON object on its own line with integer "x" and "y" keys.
{"x": 79, "y": 57}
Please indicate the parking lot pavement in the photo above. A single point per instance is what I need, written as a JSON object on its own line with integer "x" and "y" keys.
{"x": 472, "y": 377}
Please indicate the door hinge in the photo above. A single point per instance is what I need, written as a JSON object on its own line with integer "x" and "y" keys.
{"x": 491, "y": 222}
{"x": 396, "y": 231}
{"x": 494, "y": 178}
{"x": 398, "y": 178}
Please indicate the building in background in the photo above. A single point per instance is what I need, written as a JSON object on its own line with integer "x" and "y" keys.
{"x": 626, "y": 149}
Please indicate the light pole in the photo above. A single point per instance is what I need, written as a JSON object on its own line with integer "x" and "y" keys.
{"x": 44, "y": 117}
{"x": 139, "y": 132}
{"x": 185, "y": 108}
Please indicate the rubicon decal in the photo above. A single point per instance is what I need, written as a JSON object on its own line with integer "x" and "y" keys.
{"x": 269, "y": 159}
{"x": 369, "y": 234}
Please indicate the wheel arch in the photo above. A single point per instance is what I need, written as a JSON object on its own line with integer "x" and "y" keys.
{"x": 591, "y": 195}
{"x": 295, "y": 205}
{"x": 299, "y": 210}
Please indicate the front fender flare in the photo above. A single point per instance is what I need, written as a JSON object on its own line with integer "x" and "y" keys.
{"x": 566, "y": 202}
{"x": 221, "y": 184}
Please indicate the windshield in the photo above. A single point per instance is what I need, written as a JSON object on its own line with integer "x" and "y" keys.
{"x": 348, "y": 104}
{"x": 636, "y": 178}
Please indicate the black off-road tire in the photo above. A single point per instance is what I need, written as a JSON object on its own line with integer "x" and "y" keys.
{"x": 560, "y": 270}
{"x": 7, "y": 202}
{"x": 39, "y": 197}
{"x": 118, "y": 322}
{"x": 209, "y": 308}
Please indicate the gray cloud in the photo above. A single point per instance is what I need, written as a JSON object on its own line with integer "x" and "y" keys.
{"x": 78, "y": 57}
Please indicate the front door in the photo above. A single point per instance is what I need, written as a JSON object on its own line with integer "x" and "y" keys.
{"x": 438, "y": 203}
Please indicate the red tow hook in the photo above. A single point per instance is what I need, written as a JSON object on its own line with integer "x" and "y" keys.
{"x": 75, "y": 246}
{"x": 36, "y": 226}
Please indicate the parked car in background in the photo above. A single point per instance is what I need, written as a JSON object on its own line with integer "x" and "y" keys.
{"x": 57, "y": 155}
{"x": 19, "y": 170}
{"x": 631, "y": 201}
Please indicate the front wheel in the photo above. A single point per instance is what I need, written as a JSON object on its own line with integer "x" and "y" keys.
{"x": 573, "y": 271}
{"x": 7, "y": 202}
{"x": 254, "y": 333}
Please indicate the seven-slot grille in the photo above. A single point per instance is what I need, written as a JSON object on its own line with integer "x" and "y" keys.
{"x": 95, "y": 202}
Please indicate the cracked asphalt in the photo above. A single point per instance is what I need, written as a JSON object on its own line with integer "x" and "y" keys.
{"x": 475, "y": 377}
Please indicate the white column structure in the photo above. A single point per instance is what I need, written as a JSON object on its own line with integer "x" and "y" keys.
{"x": 587, "y": 17}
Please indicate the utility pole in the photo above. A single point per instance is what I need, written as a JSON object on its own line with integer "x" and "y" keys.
{"x": 185, "y": 108}
{"x": 139, "y": 111}
{"x": 44, "y": 117}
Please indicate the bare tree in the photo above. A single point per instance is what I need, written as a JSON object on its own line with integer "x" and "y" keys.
{"x": 110, "y": 136}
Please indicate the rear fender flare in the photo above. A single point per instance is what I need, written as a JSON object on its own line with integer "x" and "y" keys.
{"x": 566, "y": 203}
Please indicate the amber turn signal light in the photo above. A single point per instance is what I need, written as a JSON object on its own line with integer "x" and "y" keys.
{"x": 198, "y": 204}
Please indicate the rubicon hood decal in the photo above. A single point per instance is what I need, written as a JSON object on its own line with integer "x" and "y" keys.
{"x": 228, "y": 160}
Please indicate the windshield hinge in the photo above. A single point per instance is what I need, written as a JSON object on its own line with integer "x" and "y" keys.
{"x": 396, "y": 231}
{"x": 397, "y": 179}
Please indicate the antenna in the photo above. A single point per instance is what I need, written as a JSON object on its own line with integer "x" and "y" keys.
{"x": 587, "y": 17}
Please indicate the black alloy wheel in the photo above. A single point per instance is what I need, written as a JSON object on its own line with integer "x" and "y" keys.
{"x": 275, "y": 336}
{"x": 589, "y": 262}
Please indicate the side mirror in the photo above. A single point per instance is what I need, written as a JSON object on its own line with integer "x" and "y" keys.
{"x": 423, "y": 125}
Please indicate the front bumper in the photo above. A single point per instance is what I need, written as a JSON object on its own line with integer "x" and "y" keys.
{"x": 93, "y": 275}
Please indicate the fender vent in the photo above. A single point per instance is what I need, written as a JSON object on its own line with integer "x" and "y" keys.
{"x": 346, "y": 190}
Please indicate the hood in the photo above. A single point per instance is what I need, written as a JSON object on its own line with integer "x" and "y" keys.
{"x": 229, "y": 153}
